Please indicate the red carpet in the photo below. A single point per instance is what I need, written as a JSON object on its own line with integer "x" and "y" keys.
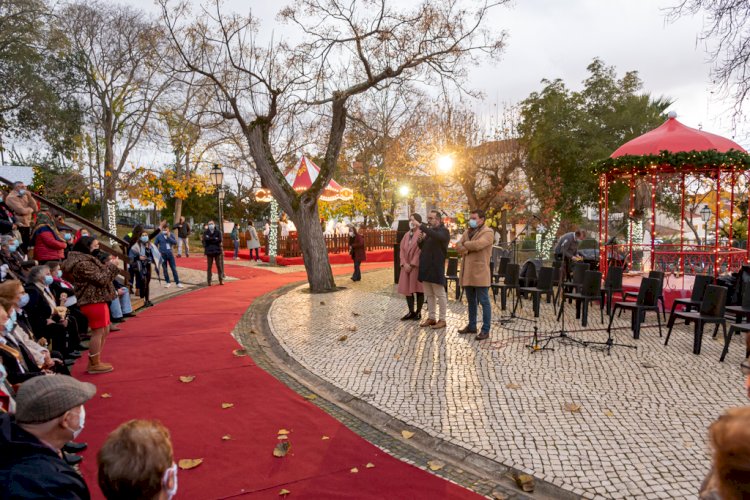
{"x": 190, "y": 335}
{"x": 333, "y": 258}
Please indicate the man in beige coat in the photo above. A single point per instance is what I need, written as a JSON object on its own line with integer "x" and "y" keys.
{"x": 475, "y": 247}
{"x": 24, "y": 207}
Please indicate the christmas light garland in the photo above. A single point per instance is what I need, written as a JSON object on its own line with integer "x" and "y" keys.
{"x": 688, "y": 160}
{"x": 273, "y": 237}
{"x": 545, "y": 240}
{"x": 112, "y": 219}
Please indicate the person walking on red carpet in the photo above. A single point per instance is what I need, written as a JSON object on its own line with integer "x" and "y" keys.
{"x": 94, "y": 291}
{"x": 253, "y": 243}
{"x": 212, "y": 245}
{"x": 408, "y": 282}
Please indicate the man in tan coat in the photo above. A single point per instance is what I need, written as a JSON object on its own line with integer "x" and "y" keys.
{"x": 476, "y": 249}
{"x": 24, "y": 207}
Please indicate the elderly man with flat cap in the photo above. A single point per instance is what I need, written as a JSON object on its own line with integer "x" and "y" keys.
{"x": 49, "y": 413}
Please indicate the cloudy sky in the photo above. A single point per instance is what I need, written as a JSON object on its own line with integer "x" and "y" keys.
{"x": 556, "y": 39}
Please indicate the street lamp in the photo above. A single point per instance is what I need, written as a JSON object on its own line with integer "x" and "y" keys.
{"x": 404, "y": 190}
{"x": 444, "y": 164}
{"x": 705, "y": 217}
{"x": 217, "y": 176}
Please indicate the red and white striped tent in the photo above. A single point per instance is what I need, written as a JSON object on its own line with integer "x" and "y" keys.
{"x": 301, "y": 178}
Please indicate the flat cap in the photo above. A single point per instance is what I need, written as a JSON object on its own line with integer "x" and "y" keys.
{"x": 46, "y": 397}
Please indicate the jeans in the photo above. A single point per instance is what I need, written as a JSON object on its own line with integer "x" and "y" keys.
{"x": 236, "y": 248}
{"x": 121, "y": 305}
{"x": 219, "y": 267}
{"x": 168, "y": 258}
{"x": 357, "y": 274}
{"x": 186, "y": 242}
{"x": 482, "y": 293}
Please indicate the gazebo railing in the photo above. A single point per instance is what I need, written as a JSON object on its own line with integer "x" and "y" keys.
{"x": 375, "y": 239}
{"x": 684, "y": 259}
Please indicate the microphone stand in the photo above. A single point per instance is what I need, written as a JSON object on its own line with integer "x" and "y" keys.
{"x": 561, "y": 334}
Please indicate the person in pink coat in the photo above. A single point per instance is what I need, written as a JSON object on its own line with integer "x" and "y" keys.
{"x": 408, "y": 284}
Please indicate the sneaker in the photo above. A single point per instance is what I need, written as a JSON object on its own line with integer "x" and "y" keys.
{"x": 440, "y": 324}
{"x": 180, "y": 285}
{"x": 167, "y": 285}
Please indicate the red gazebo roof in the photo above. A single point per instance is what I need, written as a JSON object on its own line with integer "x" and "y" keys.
{"x": 675, "y": 137}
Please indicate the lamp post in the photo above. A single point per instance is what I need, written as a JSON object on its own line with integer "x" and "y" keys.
{"x": 705, "y": 217}
{"x": 217, "y": 178}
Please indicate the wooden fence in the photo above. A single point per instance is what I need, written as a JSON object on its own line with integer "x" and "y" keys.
{"x": 375, "y": 239}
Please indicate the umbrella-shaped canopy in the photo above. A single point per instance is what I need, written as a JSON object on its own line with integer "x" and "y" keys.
{"x": 675, "y": 137}
{"x": 301, "y": 178}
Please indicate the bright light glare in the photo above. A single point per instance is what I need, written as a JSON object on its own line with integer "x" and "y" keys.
{"x": 445, "y": 164}
{"x": 404, "y": 190}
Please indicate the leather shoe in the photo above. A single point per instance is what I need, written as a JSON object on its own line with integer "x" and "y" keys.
{"x": 409, "y": 315}
{"x": 74, "y": 354}
{"x": 483, "y": 336}
{"x": 72, "y": 459}
{"x": 440, "y": 324}
{"x": 117, "y": 320}
{"x": 73, "y": 447}
{"x": 129, "y": 315}
{"x": 428, "y": 322}
{"x": 466, "y": 329}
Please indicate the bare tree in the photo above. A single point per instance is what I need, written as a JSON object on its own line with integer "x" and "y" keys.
{"x": 119, "y": 52}
{"x": 350, "y": 48}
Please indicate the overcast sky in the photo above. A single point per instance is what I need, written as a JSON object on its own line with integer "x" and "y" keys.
{"x": 558, "y": 39}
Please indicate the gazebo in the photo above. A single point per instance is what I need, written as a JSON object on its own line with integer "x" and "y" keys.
{"x": 673, "y": 152}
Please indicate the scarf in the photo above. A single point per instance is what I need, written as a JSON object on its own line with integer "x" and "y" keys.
{"x": 44, "y": 219}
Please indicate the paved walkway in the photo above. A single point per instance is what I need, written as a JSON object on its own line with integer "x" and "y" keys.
{"x": 629, "y": 425}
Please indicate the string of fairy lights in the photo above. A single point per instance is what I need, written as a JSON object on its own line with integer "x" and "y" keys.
{"x": 544, "y": 240}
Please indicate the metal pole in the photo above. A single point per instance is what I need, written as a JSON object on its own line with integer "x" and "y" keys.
{"x": 631, "y": 212}
{"x": 716, "y": 229}
{"x": 653, "y": 221}
{"x": 606, "y": 218}
{"x": 731, "y": 211}
{"x": 682, "y": 225}
{"x": 602, "y": 267}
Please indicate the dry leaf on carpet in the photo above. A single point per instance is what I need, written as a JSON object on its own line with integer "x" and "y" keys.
{"x": 106, "y": 395}
{"x": 352, "y": 328}
{"x": 572, "y": 407}
{"x": 282, "y": 437}
{"x": 226, "y": 405}
{"x": 189, "y": 463}
{"x": 282, "y": 432}
{"x": 609, "y": 413}
{"x": 226, "y": 437}
{"x": 354, "y": 470}
{"x": 325, "y": 438}
{"x": 343, "y": 338}
{"x": 311, "y": 396}
{"x": 367, "y": 371}
{"x": 284, "y": 492}
{"x": 186, "y": 379}
{"x": 281, "y": 449}
{"x": 513, "y": 386}
{"x": 369, "y": 465}
{"x": 240, "y": 352}
{"x": 435, "y": 465}
{"x": 407, "y": 434}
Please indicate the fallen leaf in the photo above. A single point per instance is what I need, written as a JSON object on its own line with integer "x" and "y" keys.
{"x": 226, "y": 405}
{"x": 525, "y": 482}
{"x": 496, "y": 495}
{"x": 283, "y": 432}
{"x": 226, "y": 437}
{"x": 106, "y": 395}
{"x": 187, "y": 378}
{"x": 282, "y": 437}
{"x": 367, "y": 371}
{"x": 397, "y": 357}
{"x": 281, "y": 449}
{"x": 343, "y": 338}
{"x": 407, "y": 434}
{"x": 435, "y": 465}
{"x": 609, "y": 413}
{"x": 311, "y": 396}
{"x": 253, "y": 331}
{"x": 352, "y": 328}
{"x": 369, "y": 465}
{"x": 189, "y": 463}
{"x": 284, "y": 492}
{"x": 354, "y": 470}
{"x": 325, "y": 438}
{"x": 240, "y": 352}
{"x": 355, "y": 314}
{"x": 322, "y": 302}
{"x": 572, "y": 407}
{"x": 513, "y": 386}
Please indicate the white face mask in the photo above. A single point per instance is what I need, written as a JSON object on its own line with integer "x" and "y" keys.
{"x": 413, "y": 224}
{"x": 81, "y": 423}
{"x": 172, "y": 471}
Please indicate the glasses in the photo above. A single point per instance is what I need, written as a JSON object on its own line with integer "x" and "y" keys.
{"x": 745, "y": 367}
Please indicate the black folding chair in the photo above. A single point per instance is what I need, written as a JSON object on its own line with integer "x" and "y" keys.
{"x": 741, "y": 311}
{"x": 647, "y": 300}
{"x": 736, "y": 328}
{"x": 543, "y": 287}
{"x": 510, "y": 284}
{"x": 612, "y": 285}
{"x": 659, "y": 275}
{"x": 696, "y": 295}
{"x": 500, "y": 271}
{"x": 576, "y": 278}
{"x": 590, "y": 291}
{"x": 711, "y": 311}
{"x": 451, "y": 276}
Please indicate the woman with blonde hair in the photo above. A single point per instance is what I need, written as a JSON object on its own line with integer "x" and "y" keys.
{"x": 730, "y": 440}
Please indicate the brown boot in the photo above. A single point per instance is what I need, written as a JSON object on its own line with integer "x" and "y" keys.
{"x": 96, "y": 365}
{"x": 440, "y": 324}
{"x": 428, "y": 322}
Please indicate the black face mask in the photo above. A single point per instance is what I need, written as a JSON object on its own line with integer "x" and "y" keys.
{"x": 95, "y": 252}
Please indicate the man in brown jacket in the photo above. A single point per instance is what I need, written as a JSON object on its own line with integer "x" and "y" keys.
{"x": 24, "y": 207}
{"x": 476, "y": 249}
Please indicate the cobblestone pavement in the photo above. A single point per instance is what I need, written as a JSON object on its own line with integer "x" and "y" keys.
{"x": 635, "y": 424}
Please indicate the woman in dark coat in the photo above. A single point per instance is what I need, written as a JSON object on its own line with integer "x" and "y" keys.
{"x": 357, "y": 251}
{"x": 213, "y": 241}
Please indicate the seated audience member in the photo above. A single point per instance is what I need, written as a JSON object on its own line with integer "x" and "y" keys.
{"x": 7, "y": 219}
{"x": 13, "y": 291}
{"x": 47, "y": 319}
{"x": 49, "y": 413}
{"x": 730, "y": 440}
{"x": 48, "y": 243}
{"x": 120, "y": 307}
{"x": 7, "y": 394}
{"x": 136, "y": 462}
{"x": 18, "y": 361}
{"x": 13, "y": 263}
{"x": 63, "y": 289}
{"x": 67, "y": 234}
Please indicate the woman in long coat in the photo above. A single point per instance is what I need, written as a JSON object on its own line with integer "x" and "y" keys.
{"x": 408, "y": 282}
{"x": 357, "y": 251}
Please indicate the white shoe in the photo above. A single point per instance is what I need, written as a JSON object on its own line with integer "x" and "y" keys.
{"x": 167, "y": 285}
{"x": 179, "y": 285}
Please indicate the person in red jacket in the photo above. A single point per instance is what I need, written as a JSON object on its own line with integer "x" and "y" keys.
{"x": 47, "y": 241}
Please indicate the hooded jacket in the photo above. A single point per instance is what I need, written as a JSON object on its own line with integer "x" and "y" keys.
{"x": 92, "y": 279}
{"x": 30, "y": 469}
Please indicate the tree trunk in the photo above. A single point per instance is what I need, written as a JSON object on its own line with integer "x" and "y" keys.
{"x": 314, "y": 250}
{"x": 177, "y": 209}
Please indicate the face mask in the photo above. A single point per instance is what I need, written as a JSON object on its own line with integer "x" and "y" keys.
{"x": 144, "y": 239}
{"x": 59, "y": 273}
{"x": 84, "y": 234}
{"x": 473, "y": 223}
{"x": 165, "y": 233}
{"x": 67, "y": 236}
{"x": 1, "y": 199}
{"x": 351, "y": 233}
{"x": 172, "y": 471}
{"x": 413, "y": 224}
{"x": 9, "y": 325}
{"x": 23, "y": 300}
{"x": 13, "y": 248}
{"x": 211, "y": 227}
{"x": 48, "y": 280}
{"x": 13, "y": 315}
{"x": 81, "y": 423}
{"x": 22, "y": 192}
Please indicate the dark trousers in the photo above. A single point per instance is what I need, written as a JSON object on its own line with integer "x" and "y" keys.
{"x": 219, "y": 267}
{"x": 168, "y": 258}
{"x": 357, "y": 273}
{"x": 25, "y": 237}
{"x": 257, "y": 253}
